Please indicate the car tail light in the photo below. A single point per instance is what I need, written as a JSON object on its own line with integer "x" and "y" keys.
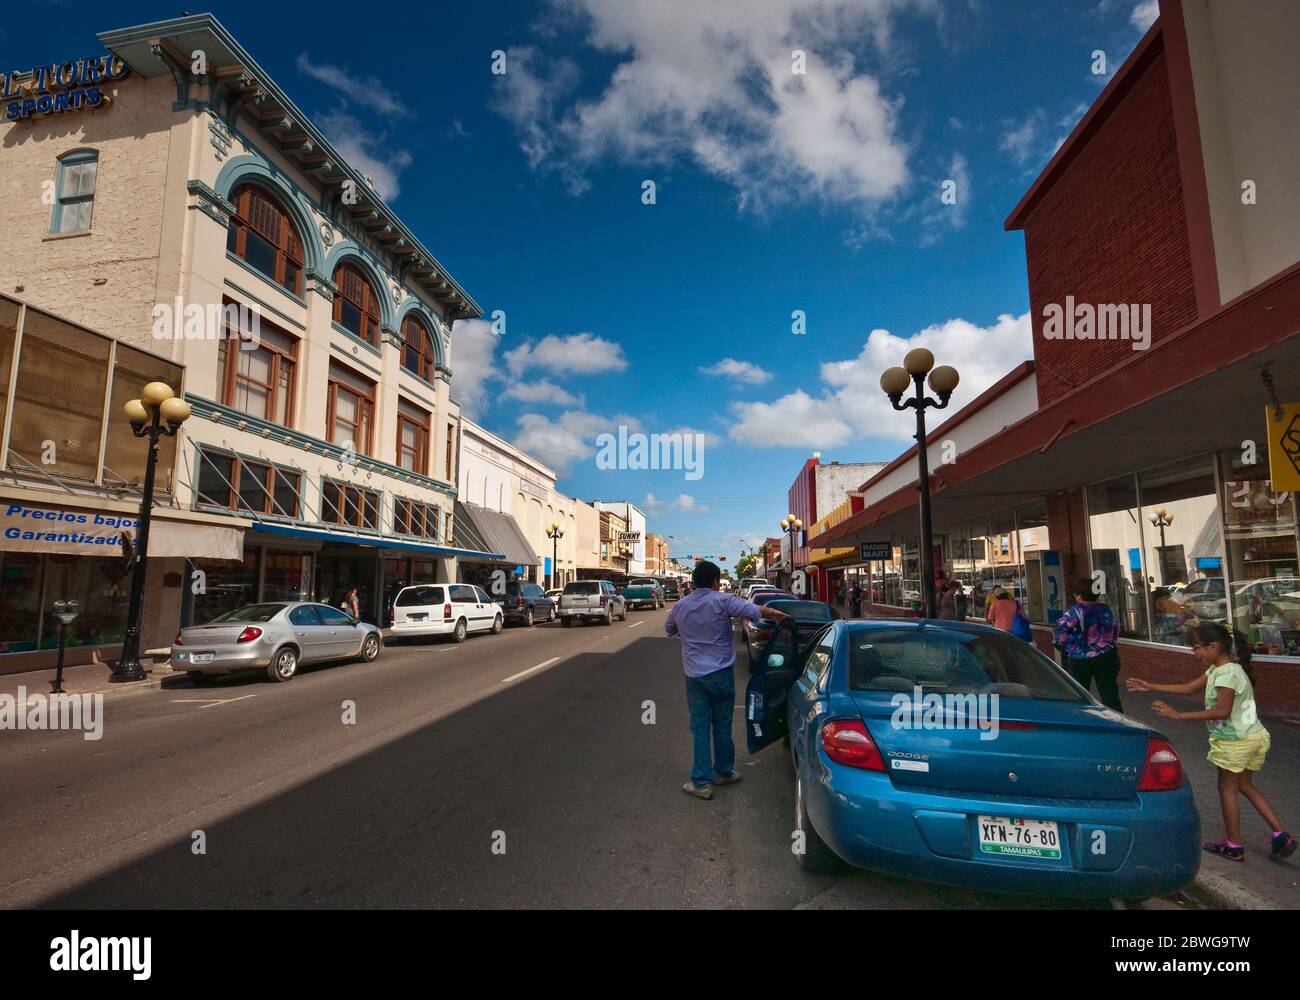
{"x": 1163, "y": 771}
{"x": 177, "y": 640}
{"x": 847, "y": 742}
{"x": 249, "y": 634}
{"x": 520, "y": 602}
{"x": 602, "y": 600}
{"x": 446, "y": 612}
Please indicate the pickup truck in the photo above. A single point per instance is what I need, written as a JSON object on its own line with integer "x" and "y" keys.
{"x": 640, "y": 593}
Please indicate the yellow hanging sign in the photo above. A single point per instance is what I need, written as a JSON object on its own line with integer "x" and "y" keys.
{"x": 1283, "y": 447}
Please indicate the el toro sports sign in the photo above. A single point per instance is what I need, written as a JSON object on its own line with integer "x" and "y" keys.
{"x": 60, "y": 87}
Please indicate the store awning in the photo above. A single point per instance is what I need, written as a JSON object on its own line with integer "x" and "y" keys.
{"x": 494, "y": 533}
{"x": 184, "y": 540}
{"x": 372, "y": 541}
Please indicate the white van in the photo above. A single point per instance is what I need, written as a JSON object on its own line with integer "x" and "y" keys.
{"x": 453, "y": 609}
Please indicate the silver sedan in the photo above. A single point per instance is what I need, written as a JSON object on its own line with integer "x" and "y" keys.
{"x": 276, "y": 637}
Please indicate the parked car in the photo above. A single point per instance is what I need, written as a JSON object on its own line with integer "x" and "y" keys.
{"x": 451, "y": 609}
{"x": 524, "y": 603}
{"x": 591, "y": 600}
{"x": 642, "y": 592}
{"x": 750, "y": 581}
{"x": 672, "y": 589}
{"x": 554, "y": 595}
{"x": 276, "y": 637}
{"x": 808, "y": 617}
{"x": 1068, "y": 799}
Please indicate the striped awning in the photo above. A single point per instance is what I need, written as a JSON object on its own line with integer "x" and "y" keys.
{"x": 479, "y": 528}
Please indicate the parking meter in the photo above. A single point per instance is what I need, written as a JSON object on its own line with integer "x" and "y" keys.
{"x": 66, "y": 612}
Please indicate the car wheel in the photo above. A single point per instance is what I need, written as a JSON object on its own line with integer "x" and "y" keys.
{"x": 370, "y": 648}
{"x": 284, "y": 664}
{"x": 609, "y": 617}
{"x": 459, "y": 634}
{"x": 816, "y": 856}
{"x": 566, "y": 622}
{"x": 199, "y": 679}
{"x": 498, "y": 624}
{"x": 623, "y": 616}
{"x": 551, "y": 616}
{"x": 528, "y": 617}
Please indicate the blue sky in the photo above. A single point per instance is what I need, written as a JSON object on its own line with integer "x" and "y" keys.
{"x": 776, "y": 191}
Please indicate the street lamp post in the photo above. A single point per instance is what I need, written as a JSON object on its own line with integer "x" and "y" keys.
{"x": 157, "y": 414}
{"x": 1161, "y": 519}
{"x": 554, "y": 533}
{"x": 943, "y": 380}
{"x": 791, "y": 525}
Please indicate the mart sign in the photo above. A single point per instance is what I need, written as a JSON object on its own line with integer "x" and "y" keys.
{"x": 1283, "y": 447}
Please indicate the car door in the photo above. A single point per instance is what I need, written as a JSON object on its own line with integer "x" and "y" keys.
{"x": 768, "y": 690}
{"x": 487, "y": 609}
{"x": 312, "y": 636}
{"x": 806, "y": 704}
{"x": 344, "y": 635}
{"x": 464, "y": 604}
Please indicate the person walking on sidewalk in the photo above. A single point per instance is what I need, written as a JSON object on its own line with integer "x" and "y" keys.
{"x": 1238, "y": 740}
{"x": 855, "y": 600}
{"x": 702, "y": 620}
{"x": 1088, "y": 636}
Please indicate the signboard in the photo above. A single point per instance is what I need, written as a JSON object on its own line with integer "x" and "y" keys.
{"x": 27, "y": 528}
{"x": 60, "y": 87}
{"x": 876, "y": 551}
{"x": 629, "y": 536}
{"x": 1284, "y": 447}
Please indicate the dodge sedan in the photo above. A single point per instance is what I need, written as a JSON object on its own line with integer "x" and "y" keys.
{"x": 959, "y": 754}
{"x": 274, "y": 637}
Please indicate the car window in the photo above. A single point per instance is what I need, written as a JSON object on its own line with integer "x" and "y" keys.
{"x": 304, "y": 614}
{"x": 416, "y": 596}
{"x": 332, "y": 616}
{"x": 953, "y": 659}
{"x": 462, "y": 594}
{"x": 819, "y": 659}
{"x": 801, "y": 609}
{"x": 250, "y": 613}
{"x": 481, "y": 596}
{"x": 582, "y": 587}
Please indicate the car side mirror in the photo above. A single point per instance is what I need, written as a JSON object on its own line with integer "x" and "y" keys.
{"x": 776, "y": 660}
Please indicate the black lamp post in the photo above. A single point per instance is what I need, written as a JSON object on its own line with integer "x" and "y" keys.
{"x": 791, "y": 525}
{"x": 158, "y": 413}
{"x": 943, "y": 380}
{"x": 1161, "y": 519}
{"x": 554, "y": 533}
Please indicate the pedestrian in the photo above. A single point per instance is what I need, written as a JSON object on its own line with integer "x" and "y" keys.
{"x": 1003, "y": 610}
{"x": 960, "y": 600}
{"x": 948, "y": 601}
{"x": 702, "y": 620}
{"x": 351, "y": 603}
{"x": 855, "y": 600}
{"x": 1088, "y": 636}
{"x": 1238, "y": 740}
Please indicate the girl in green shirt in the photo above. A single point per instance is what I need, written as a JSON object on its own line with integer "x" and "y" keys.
{"x": 1238, "y": 740}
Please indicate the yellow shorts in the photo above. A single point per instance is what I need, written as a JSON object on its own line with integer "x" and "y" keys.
{"x": 1246, "y": 754}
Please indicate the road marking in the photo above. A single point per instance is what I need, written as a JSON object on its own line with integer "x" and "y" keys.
{"x": 635, "y": 624}
{"x": 211, "y": 702}
{"x": 525, "y": 673}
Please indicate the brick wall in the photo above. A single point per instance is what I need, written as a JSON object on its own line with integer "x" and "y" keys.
{"x": 1068, "y": 533}
{"x": 1112, "y": 229}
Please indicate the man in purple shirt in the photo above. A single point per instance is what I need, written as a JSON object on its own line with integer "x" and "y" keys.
{"x": 702, "y": 619}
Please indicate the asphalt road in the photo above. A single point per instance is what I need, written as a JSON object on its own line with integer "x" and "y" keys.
{"x": 461, "y": 784}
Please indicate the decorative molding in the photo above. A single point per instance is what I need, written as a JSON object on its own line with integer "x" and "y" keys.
{"x": 220, "y": 136}
{"x": 210, "y": 203}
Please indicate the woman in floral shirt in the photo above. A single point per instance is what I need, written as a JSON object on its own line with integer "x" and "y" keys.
{"x": 1087, "y": 634}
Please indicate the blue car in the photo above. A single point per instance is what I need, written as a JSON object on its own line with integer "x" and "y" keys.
{"x": 957, "y": 753}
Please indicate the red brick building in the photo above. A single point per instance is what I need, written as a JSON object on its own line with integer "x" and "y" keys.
{"x": 1143, "y": 455}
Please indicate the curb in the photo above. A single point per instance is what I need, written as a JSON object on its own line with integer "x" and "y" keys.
{"x": 1218, "y": 892}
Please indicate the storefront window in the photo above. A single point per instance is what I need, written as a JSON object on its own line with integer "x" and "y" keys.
{"x": 226, "y": 586}
{"x": 20, "y": 601}
{"x": 1263, "y": 566}
{"x": 103, "y": 590}
{"x": 1115, "y": 529}
{"x": 287, "y": 576}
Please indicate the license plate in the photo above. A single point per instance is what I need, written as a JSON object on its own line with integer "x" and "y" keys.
{"x": 1019, "y": 838}
{"x": 416, "y": 618}
{"x": 201, "y": 657}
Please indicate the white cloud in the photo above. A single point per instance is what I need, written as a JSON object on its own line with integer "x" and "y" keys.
{"x": 369, "y": 152}
{"x": 1144, "y": 14}
{"x": 473, "y": 363}
{"x": 542, "y": 391}
{"x": 851, "y": 406}
{"x": 944, "y": 215}
{"x": 1022, "y": 139}
{"x": 563, "y": 440}
{"x": 713, "y": 83}
{"x": 367, "y": 91}
{"x": 685, "y": 503}
{"x": 739, "y": 371}
{"x": 575, "y": 354}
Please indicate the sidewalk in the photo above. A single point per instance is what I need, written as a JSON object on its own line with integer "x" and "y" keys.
{"x": 88, "y": 678}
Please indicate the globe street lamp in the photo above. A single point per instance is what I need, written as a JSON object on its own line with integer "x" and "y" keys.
{"x": 791, "y": 525}
{"x": 1161, "y": 519}
{"x": 554, "y": 533}
{"x": 158, "y": 413}
{"x": 943, "y": 380}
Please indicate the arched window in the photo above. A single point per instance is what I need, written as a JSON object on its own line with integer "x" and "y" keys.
{"x": 263, "y": 236}
{"x": 356, "y": 306}
{"x": 417, "y": 348}
{"x": 76, "y": 191}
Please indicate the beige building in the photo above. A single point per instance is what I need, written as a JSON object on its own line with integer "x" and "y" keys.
{"x": 198, "y": 217}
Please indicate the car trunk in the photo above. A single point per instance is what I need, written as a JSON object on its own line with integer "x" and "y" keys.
{"x": 1055, "y": 749}
{"x": 580, "y": 602}
{"x": 202, "y": 636}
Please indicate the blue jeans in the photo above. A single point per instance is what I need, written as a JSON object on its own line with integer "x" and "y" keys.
{"x": 712, "y": 701}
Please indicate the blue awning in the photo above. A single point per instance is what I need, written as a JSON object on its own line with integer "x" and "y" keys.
{"x": 372, "y": 541}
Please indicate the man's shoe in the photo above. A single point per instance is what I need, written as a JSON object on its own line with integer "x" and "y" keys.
{"x": 1282, "y": 845}
{"x": 727, "y": 779}
{"x": 699, "y": 791}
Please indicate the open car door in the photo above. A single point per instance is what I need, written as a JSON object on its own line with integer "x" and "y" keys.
{"x": 765, "y": 696}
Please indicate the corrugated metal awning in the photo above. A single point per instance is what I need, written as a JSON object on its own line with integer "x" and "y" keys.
{"x": 492, "y": 532}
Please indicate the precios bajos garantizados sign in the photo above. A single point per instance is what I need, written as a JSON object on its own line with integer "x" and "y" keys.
{"x": 60, "y": 87}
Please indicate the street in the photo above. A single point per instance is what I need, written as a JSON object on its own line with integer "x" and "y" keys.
{"x": 466, "y": 781}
